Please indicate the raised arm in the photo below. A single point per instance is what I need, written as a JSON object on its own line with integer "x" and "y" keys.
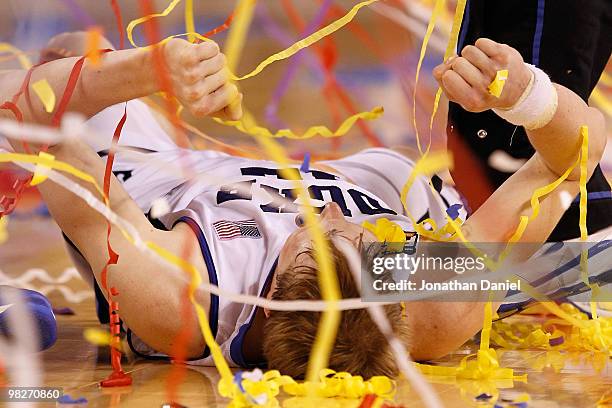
{"x": 557, "y": 142}
{"x": 553, "y": 129}
{"x": 197, "y": 74}
{"x": 149, "y": 293}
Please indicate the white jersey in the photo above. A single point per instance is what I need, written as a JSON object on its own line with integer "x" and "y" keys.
{"x": 243, "y": 210}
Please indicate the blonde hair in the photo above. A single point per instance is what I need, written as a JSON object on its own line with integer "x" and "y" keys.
{"x": 360, "y": 348}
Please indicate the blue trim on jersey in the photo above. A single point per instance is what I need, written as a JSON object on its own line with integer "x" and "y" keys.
{"x": 237, "y": 342}
{"x": 594, "y": 250}
{"x": 213, "y": 313}
{"x": 602, "y": 278}
{"x": 594, "y": 196}
{"x": 554, "y": 248}
{"x": 537, "y": 36}
{"x": 508, "y": 309}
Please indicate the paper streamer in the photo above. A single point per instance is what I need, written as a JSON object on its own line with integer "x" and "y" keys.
{"x": 247, "y": 125}
{"x": 3, "y": 229}
{"x": 450, "y": 51}
{"x": 189, "y": 21}
{"x": 97, "y": 337}
{"x": 43, "y": 90}
{"x": 497, "y": 86}
{"x": 119, "y": 20}
{"x": 226, "y": 24}
{"x": 132, "y": 24}
{"x": 486, "y": 365}
{"x": 328, "y": 281}
{"x": 239, "y": 27}
{"x": 39, "y": 173}
{"x": 549, "y": 335}
{"x": 332, "y": 85}
{"x": 94, "y": 37}
{"x": 398, "y": 346}
{"x": 603, "y": 102}
{"x": 287, "y": 53}
{"x": 308, "y": 41}
{"x": 237, "y": 34}
{"x": 427, "y": 165}
{"x": 584, "y": 234}
{"x": 195, "y": 280}
{"x": 21, "y": 56}
{"x": 260, "y": 389}
{"x": 437, "y": 10}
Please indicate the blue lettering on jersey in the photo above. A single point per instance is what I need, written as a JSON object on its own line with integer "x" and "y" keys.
{"x": 283, "y": 200}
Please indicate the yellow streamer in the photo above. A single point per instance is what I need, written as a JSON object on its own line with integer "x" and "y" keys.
{"x": 308, "y": 41}
{"x": 581, "y": 336}
{"x": 247, "y": 125}
{"x": 386, "y": 231}
{"x": 602, "y": 102}
{"x": 194, "y": 283}
{"x": 497, "y": 86}
{"x": 21, "y": 56}
{"x": 189, "y": 21}
{"x": 287, "y": 53}
{"x": 3, "y": 229}
{"x": 484, "y": 367}
{"x": 45, "y": 93}
{"x": 451, "y": 48}
{"x": 132, "y": 24}
{"x": 584, "y": 234}
{"x": 238, "y": 32}
{"x": 584, "y": 159}
{"x": 261, "y": 389}
{"x": 97, "y": 337}
{"x": 438, "y": 8}
{"x": 40, "y": 171}
{"x": 328, "y": 281}
{"x": 606, "y": 79}
{"x": 427, "y": 165}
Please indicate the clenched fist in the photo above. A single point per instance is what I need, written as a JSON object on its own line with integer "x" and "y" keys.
{"x": 200, "y": 79}
{"x": 465, "y": 79}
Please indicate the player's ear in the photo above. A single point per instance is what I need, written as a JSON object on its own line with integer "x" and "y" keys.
{"x": 266, "y": 312}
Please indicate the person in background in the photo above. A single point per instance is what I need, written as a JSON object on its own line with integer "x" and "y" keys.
{"x": 570, "y": 40}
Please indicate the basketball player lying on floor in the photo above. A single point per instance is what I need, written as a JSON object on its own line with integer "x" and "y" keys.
{"x": 249, "y": 242}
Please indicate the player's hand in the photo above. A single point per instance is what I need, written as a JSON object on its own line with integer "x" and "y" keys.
{"x": 200, "y": 79}
{"x": 465, "y": 79}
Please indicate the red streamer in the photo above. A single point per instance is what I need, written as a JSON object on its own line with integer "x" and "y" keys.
{"x": 119, "y": 19}
{"x": 220, "y": 28}
{"x": 117, "y": 378}
{"x": 179, "y": 348}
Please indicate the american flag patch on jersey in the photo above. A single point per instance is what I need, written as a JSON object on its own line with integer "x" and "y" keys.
{"x": 227, "y": 230}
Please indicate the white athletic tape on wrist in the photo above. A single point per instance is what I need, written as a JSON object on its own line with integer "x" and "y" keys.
{"x": 537, "y": 105}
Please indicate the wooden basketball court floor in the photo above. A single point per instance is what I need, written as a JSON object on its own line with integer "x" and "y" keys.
{"x": 72, "y": 363}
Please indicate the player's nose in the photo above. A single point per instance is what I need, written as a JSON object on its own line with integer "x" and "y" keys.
{"x": 332, "y": 211}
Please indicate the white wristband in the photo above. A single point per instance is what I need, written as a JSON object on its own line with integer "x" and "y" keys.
{"x": 538, "y": 104}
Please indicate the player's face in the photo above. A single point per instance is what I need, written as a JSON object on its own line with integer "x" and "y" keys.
{"x": 334, "y": 224}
